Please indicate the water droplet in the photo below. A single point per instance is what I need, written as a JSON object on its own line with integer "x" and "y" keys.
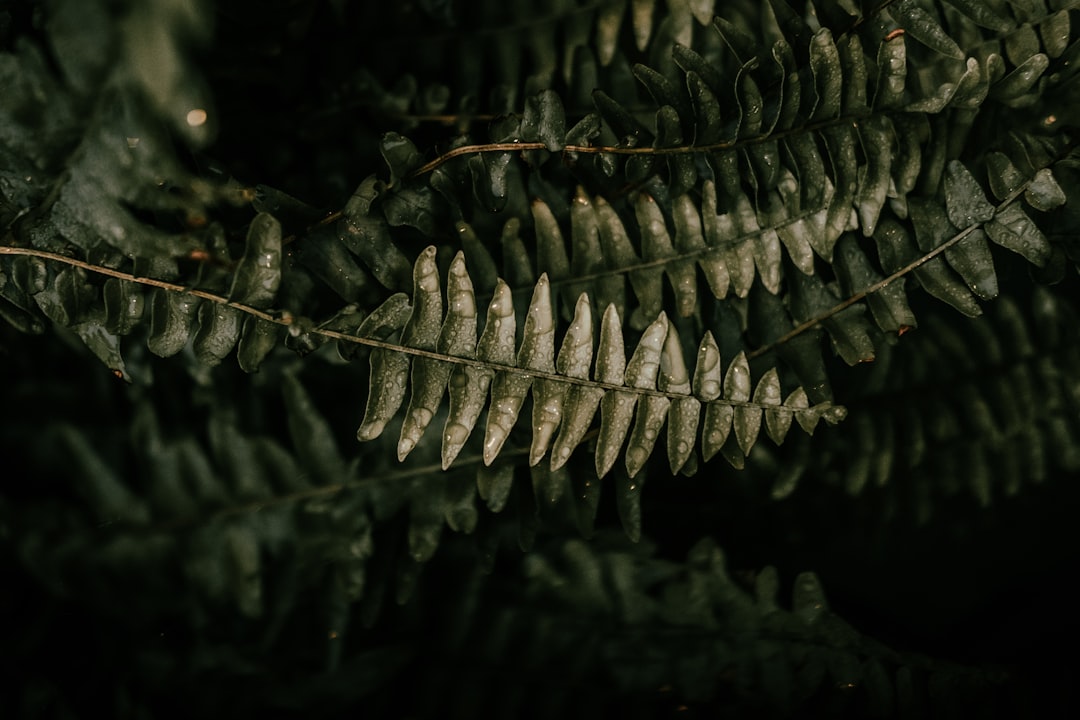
{"x": 635, "y": 459}
{"x": 370, "y": 430}
{"x": 496, "y": 434}
{"x": 405, "y": 446}
{"x": 455, "y": 434}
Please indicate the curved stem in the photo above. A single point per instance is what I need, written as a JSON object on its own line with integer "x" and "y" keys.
{"x": 287, "y": 319}
{"x": 880, "y": 284}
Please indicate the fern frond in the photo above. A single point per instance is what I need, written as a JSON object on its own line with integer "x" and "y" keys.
{"x": 732, "y": 644}
{"x": 443, "y": 351}
{"x": 931, "y": 419}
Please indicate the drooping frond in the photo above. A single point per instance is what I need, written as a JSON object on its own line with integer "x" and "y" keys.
{"x": 970, "y": 406}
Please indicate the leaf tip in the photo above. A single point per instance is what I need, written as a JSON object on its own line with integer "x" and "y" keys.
{"x": 370, "y": 430}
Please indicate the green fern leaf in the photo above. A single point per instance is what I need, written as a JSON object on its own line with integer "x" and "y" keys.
{"x": 564, "y": 400}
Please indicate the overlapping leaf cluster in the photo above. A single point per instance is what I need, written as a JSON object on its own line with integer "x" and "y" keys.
{"x": 982, "y": 424}
{"x": 794, "y": 171}
{"x": 801, "y": 166}
{"x": 505, "y": 52}
{"x": 836, "y": 169}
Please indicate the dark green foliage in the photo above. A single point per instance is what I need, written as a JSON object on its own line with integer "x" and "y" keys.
{"x": 567, "y": 267}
